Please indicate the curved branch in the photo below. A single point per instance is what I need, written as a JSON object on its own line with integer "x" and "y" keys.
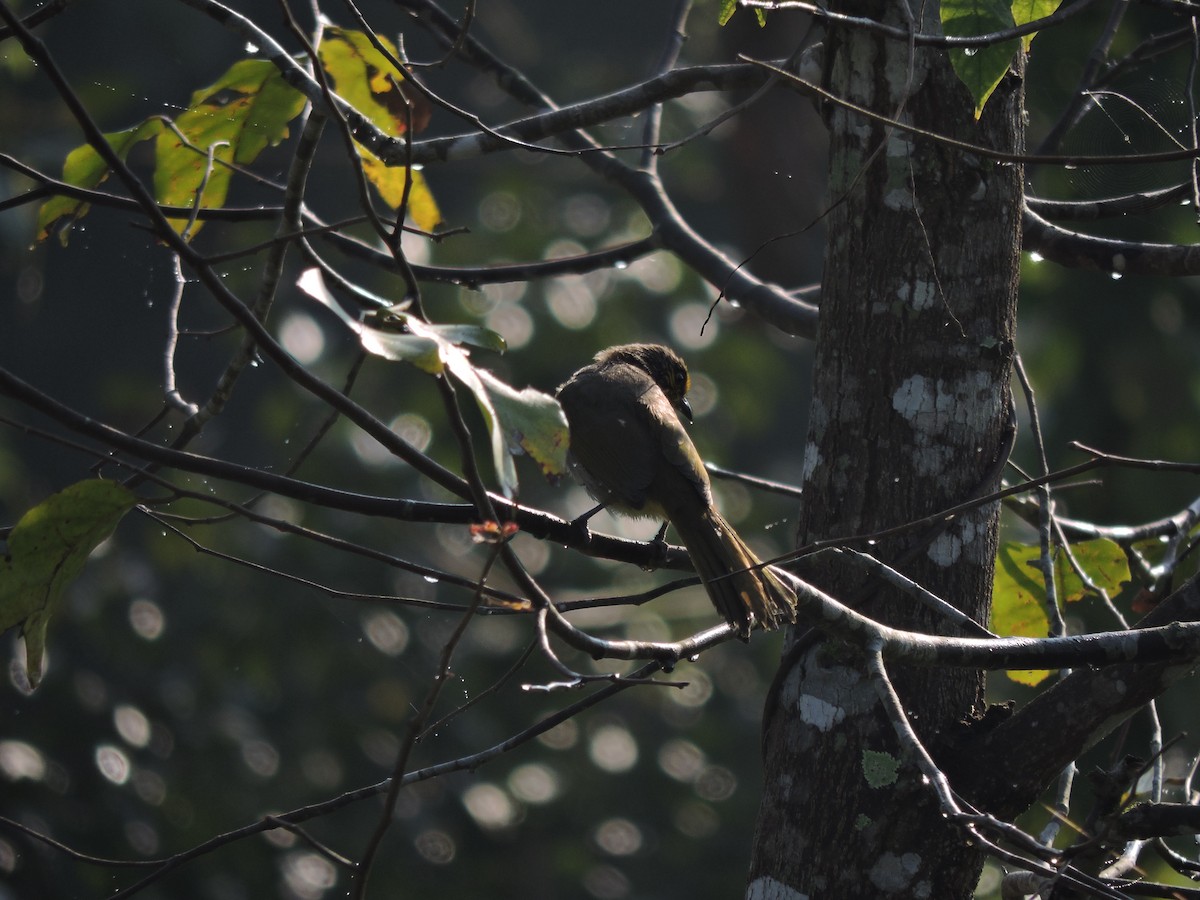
{"x": 1107, "y": 207}
{"x": 595, "y": 111}
{"x": 534, "y": 522}
{"x": 829, "y": 17}
{"x": 1082, "y": 251}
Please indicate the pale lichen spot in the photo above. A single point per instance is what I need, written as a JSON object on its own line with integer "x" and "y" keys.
{"x": 820, "y": 714}
{"x": 914, "y": 397}
{"x": 812, "y": 459}
{"x": 893, "y": 873}
{"x": 935, "y": 406}
{"x": 924, "y": 295}
{"x": 945, "y": 549}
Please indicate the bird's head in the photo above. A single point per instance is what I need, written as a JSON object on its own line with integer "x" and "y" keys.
{"x": 661, "y": 363}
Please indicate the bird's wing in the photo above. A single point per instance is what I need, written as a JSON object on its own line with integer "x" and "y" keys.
{"x": 680, "y": 480}
{"x": 608, "y": 434}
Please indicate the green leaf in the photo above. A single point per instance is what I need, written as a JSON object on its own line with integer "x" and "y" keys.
{"x": 979, "y": 68}
{"x": 85, "y": 168}
{"x": 1026, "y": 11}
{"x": 526, "y": 421}
{"x": 235, "y": 119}
{"x": 530, "y": 421}
{"x": 1019, "y": 591}
{"x": 366, "y": 79}
{"x": 1104, "y": 563}
{"x": 46, "y": 551}
{"x": 729, "y": 7}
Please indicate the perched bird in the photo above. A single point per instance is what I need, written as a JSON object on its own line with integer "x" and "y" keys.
{"x": 631, "y": 452}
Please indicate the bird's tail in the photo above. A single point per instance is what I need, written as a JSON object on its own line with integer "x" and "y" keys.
{"x": 744, "y": 591}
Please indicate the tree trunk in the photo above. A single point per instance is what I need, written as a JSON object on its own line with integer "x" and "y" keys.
{"x": 910, "y": 415}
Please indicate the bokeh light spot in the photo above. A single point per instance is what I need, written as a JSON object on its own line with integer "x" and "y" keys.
{"x": 534, "y": 783}
{"x": 681, "y": 760}
{"x": 613, "y": 748}
{"x": 563, "y": 736}
{"x": 260, "y": 758}
{"x": 112, "y": 763}
{"x": 489, "y": 806}
{"x": 132, "y": 725}
{"x": 435, "y": 846}
{"x": 691, "y": 326}
{"x": 414, "y": 429}
{"x": 302, "y": 337}
{"x": 499, "y": 212}
{"x": 146, "y": 619}
{"x": 696, "y": 820}
{"x": 308, "y": 875}
{"x": 606, "y": 883}
{"x": 386, "y": 631}
{"x": 716, "y": 783}
{"x": 618, "y": 837}
{"x": 21, "y": 760}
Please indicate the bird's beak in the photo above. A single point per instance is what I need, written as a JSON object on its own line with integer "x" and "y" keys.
{"x": 686, "y": 408}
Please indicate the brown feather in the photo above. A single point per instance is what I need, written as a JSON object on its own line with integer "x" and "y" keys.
{"x": 632, "y": 453}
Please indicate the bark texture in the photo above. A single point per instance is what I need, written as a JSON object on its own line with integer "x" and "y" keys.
{"x": 910, "y": 414}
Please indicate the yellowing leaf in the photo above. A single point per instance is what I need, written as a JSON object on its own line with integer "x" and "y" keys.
{"x": 390, "y": 181}
{"x": 1019, "y": 590}
{"x": 1018, "y": 597}
{"x": 85, "y": 168}
{"x": 234, "y": 120}
{"x": 366, "y": 79}
{"x": 46, "y": 551}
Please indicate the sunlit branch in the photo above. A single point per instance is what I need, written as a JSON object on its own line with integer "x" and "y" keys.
{"x": 1108, "y": 207}
{"x": 770, "y": 303}
{"x": 910, "y": 743}
{"x": 842, "y": 20}
{"x": 1084, "y": 251}
{"x": 886, "y": 573}
{"x": 937, "y": 137}
{"x": 534, "y": 522}
{"x": 652, "y": 127}
{"x": 1045, "y": 522}
{"x": 505, "y": 273}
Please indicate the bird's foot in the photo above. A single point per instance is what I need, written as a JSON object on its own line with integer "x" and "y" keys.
{"x": 583, "y": 534}
{"x": 660, "y": 550}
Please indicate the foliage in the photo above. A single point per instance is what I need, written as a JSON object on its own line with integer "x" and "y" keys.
{"x": 46, "y": 551}
{"x": 308, "y": 555}
{"x": 981, "y": 68}
{"x": 230, "y": 122}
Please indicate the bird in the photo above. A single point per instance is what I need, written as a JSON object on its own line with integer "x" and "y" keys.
{"x": 632, "y": 453}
